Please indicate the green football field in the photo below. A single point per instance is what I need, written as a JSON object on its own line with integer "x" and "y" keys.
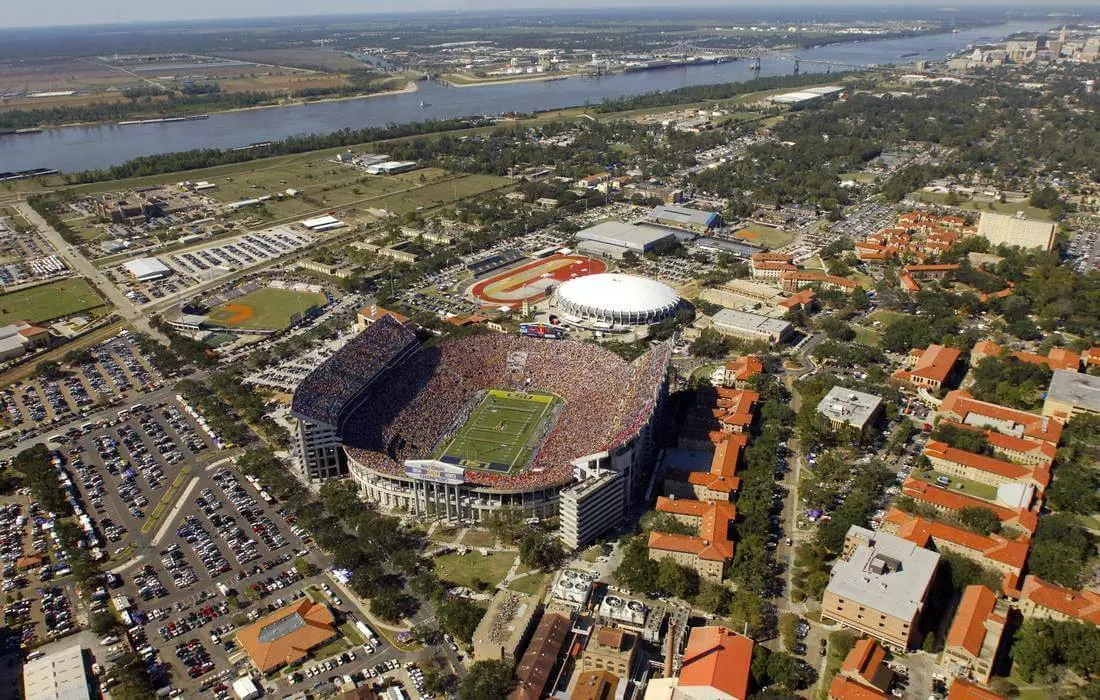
{"x": 498, "y": 434}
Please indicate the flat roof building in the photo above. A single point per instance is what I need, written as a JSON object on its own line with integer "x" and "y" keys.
{"x": 1071, "y": 394}
{"x": 59, "y": 675}
{"x": 1002, "y": 229}
{"x": 146, "y": 269}
{"x": 879, "y": 586}
{"x": 588, "y": 509}
{"x": 742, "y": 324}
{"x": 685, "y": 217}
{"x": 504, "y": 627}
{"x": 849, "y": 408}
{"x": 615, "y": 238}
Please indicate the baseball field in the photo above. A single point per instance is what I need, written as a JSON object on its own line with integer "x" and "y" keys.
{"x": 267, "y": 308}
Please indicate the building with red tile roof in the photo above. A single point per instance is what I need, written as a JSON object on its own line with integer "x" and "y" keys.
{"x": 287, "y": 636}
{"x": 949, "y": 503}
{"x": 1046, "y": 600}
{"x": 594, "y": 685}
{"x": 771, "y": 265}
{"x": 862, "y": 675}
{"x": 709, "y": 551}
{"x": 961, "y": 407}
{"x": 929, "y": 368}
{"x": 986, "y": 470}
{"x": 962, "y": 689}
{"x": 1005, "y": 555}
{"x": 794, "y": 280}
{"x": 719, "y": 659}
{"x": 1091, "y": 357}
{"x": 741, "y": 369}
{"x": 369, "y": 314}
{"x": 1056, "y": 359}
{"x": 802, "y": 300}
{"x": 975, "y": 633}
{"x": 540, "y": 659}
{"x": 1014, "y": 449}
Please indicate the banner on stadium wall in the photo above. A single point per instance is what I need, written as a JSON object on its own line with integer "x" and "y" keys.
{"x": 541, "y": 330}
{"x": 431, "y": 470}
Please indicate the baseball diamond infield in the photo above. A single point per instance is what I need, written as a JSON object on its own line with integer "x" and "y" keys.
{"x": 533, "y": 281}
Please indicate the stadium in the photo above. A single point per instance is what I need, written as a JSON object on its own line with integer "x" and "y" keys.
{"x": 534, "y": 280}
{"x": 471, "y": 425}
{"x": 614, "y": 302}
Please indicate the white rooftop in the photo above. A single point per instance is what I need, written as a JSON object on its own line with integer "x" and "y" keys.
{"x": 638, "y": 237}
{"x": 59, "y": 675}
{"x": 146, "y": 267}
{"x": 613, "y": 292}
{"x": 1076, "y": 389}
{"x": 848, "y": 405}
{"x": 887, "y": 574}
{"x": 743, "y": 320}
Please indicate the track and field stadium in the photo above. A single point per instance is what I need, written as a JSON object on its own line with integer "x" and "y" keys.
{"x": 474, "y": 424}
{"x": 535, "y": 280}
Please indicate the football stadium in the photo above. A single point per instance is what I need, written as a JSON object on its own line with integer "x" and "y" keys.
{"x": 474, "y": 424}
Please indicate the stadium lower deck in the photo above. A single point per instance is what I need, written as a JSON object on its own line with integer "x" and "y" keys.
{"x": 502, "y": 432}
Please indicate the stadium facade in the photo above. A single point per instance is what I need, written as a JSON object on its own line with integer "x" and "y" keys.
{"x": 382, "y": 410}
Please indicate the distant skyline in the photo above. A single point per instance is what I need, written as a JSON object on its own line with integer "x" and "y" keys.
{"x": 48, "y": 13}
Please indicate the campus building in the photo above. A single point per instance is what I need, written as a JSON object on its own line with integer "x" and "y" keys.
{"x": 930, "y": 368}
{"x": 21, "y": 337}
{"x": 610, "y": 649}
{"x": 287, "y": 636}
{"x": 794, "y": 280}
{"x": 1002, "y": 229}
{"x": 750, "y": 326}
{"x": 850, "y": 410}
{"x": 951, "y": 461}
{"x": 949, "y": 503}
{"x": 590, "y": 508}
{"x": 863, "y": 675}
{"x": 738, "y": 371}
{"x": 615, "y": 239}
{"x": 770, "y": 266}
{"x": 505, "y": 626}
{"x": 1071, "y": 394}
{"x": 717, "y": 666}
{"x": 537, "y": 665}
{"x": 695, "y": 220}
{"x": 878, "y": 586}
{"x": 1044, "y": 600}
{"x": 961, "y": 407}
{"x": 59, "y": 675}
{"x": 709, "y": 551}
{"x": 975, "y": 634}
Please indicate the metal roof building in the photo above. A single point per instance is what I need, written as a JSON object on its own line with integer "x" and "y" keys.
{"x": 614, "y": 238}
{"x": 59, "y": 675}
{"x": 616, "y": 298}
{"x": 145, "y": 269}
{"x": 686, "y": 217}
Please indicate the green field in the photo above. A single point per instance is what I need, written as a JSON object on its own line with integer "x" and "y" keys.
{"x": 980, "y": 204}
{"x": 470, "y": 568}
{"x": 499, "y": 433}
{"x": 766, "y": 236}
{"x": 886, "y": 317}
{"x": 48, "y": 301}
{"x": 265, "y": 308}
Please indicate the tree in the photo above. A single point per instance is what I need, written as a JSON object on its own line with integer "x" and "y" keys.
{"x": 788, "y": 629}
{"x": 636, "y": 571}
{"x": 676, "y": 580}
{"x": 48, "y": 369}
{"x": 749, "y": 613}
{"x": 459, "y": 618}
{"x": 506, "y": 523}
{"x": 1060, "y": 550}
{"x": 539, "y": 550}
{"x": 304, "y": 568}
{"x": 487, "y": 679}
{"x": 979, "y": 519}
{"x": 711, "y": 343}
{"x": 102, "y": 623}
{"x": 391, "y": 604}
{"x": 713, "y": 597}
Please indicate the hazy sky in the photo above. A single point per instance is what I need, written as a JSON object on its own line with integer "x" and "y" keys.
{"x": 27, "y": 13}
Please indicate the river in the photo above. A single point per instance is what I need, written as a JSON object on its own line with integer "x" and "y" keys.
{"x": 87, "y": 147}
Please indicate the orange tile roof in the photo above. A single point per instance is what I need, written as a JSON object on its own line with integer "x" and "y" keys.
{"x": 843, "y": 688}
{"x": 936, "y": 363}
{"x": 803, "y": 276}
{"x": 941, "y": 450}
{"x": 712, "y": 543}
{"x": 771, "y": 257}
{"x": 682, "y": 506}
{"x": 1083, "y": 605}
{"x": 908, "y": 282}
{"x": 864, "y": 659}
{"x": 1008, "y": 443}
{"x": 717, "y": 658}
{"x": 287, "y": 635}
{"x": 799, "y": 298}
{"x": 962, "y": 689}
{"x": 961, "y": 403}
{"x": 1060, "y": 358}
{"x": 1091, "y": 356}
{"x": 375, "y": 312}
{"x": 745, "y": 367}
{"x": 985, "y": 348}
{"x": 597, "y": 684}
{"x": 951, "y": 500}
{"x": 968, "y": 628}
{"x": 920, "y": 531}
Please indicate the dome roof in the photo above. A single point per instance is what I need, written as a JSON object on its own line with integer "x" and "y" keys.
{"x": 615, "y": 293}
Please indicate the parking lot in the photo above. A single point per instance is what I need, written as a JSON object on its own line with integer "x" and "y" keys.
{"x": 111, "y": 370}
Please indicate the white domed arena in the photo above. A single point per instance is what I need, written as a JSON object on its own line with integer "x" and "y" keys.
{"x": 616, "y": 299}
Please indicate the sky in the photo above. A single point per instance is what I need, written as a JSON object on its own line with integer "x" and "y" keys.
{"x": 32, "y": 13}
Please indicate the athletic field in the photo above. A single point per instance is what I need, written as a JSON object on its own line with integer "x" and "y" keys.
{"x": 533, "y": 280}
{"x": 499, "y": 433}
{"x": 267, "y": 308}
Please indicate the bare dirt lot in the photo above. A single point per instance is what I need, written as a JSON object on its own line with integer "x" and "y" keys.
{"x": 323, "y": 59}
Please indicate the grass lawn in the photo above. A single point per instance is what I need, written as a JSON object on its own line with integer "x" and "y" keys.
{"x": 351, "y": 634}
{"x": 444, "y": 534}
{"x": 466, "y": 570}
{"x": 434, "y": 194}
{"x": 859, "y": 177}
{"x": 498, "y": 434}
{"x": 479, "y": 538}
{"x": 591, "y": 554}
{"x": 980, "y": 204}
{"x": 867, "y": 336}
{"x": 528, "y": 585}
{"x": 766, "y": 236}
{"x": 48, "y": 301}
{"x": 961, "y": 485}
{"x": 334, "y": 647}
{"x": 885, "y": 317}
{"x": 266, "y": 308}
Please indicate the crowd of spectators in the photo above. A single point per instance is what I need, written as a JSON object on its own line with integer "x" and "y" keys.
{"x": 605, "y": 401}
{"x": 326, "y": 392}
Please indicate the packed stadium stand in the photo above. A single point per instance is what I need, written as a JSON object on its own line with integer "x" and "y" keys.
{"x": 389, "y": 406}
